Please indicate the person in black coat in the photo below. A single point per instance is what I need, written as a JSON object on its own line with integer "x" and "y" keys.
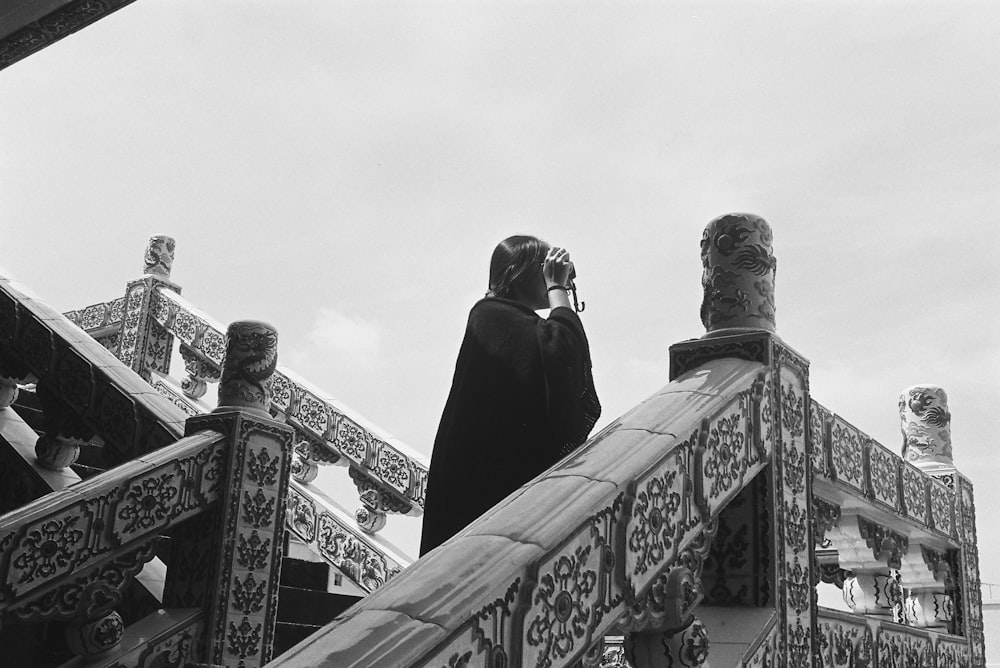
{"x": 522, "y": 396}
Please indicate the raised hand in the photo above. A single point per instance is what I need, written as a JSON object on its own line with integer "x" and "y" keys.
{"x": 558, "y": 269}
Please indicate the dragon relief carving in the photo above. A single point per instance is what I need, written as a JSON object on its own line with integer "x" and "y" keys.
{"x": 250, "y": 360}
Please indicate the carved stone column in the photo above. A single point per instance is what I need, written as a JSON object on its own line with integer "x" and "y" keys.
{"x": 143, "y": 344}
{"x": 927, "y": 581}
{"x": 245, "y": 552}
{"x": 872, "y": 553}
{"x": 738, "y": 275}
{"x": 926, "y": 425}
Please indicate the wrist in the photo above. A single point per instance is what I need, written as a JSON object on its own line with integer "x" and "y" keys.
{"x": 556, "y": 286}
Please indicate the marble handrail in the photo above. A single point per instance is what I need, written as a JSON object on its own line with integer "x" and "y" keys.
{"x": 545, "y": 574}
{"x": 103, "y": 529}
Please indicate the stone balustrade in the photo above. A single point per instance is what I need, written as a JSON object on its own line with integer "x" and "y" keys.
{"x": 335, "y": 433}
{"x": 850, "y": 640}
{"x": 69, "y": 554}
{"x": 611, "y": 537}
{"x": 106, "y": 397}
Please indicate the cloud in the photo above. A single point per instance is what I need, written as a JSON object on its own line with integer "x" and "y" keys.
{"x": 349, "y": 337}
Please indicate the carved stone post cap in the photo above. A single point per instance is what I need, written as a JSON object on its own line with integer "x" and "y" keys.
{"x": 925, "y": 422}
{"x": 250, "y": 361}
{"x": 159, "y": 257}
{"x": 738, "y": 275}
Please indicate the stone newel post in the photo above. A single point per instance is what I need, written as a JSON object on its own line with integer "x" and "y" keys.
{"x": 251, "y": 358}
{"x": 144, "y": 344}
{"x": 246, "y": 536}
{"x": 738, "y": 277}
{"x": 926, "y": 426}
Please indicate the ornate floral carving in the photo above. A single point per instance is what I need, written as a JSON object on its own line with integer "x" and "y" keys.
{"x": 794, "y": 468}
{"x": 792, "y": 416}
{"x": 848, "y": 454}
{"x": 884, "y": 467}
{"x": 252, "y": 553}
{"x": 262, "y": 468}
{"x": 47, "y": 549}
{"x": 654, "y": 513}
{"x": 725, "y": 460}
{"x": 244, "y": 640}
{"x": 393, "y": 468}
{"x": 258, "y": 510}
{"x": 351, "y": 440}
{"x": 89, "y": 595}
{"x": 941, "y": 504}
{"x": 312, "y": 414}
{"x": 248, "y": 594}
{"x": 148, "y": 502}
{"x": 915, "y": 494}
{"x": 563, "y": 612}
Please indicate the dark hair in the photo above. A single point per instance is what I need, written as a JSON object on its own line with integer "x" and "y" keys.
{"x": 513, "y": 258}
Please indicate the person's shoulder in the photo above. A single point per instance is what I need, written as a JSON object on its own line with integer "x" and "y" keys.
{"x": 490, "y": 313}
{"x": 498, "y": 306}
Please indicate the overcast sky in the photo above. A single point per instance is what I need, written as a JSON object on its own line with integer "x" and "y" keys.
{"x": 343, "y": 170}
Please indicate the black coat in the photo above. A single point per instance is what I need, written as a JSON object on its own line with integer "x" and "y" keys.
{"x": 522, "y": 398}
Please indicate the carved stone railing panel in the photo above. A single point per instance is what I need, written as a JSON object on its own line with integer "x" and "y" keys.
{"x": 916, "y": 503}
{"x": 942, "y": 509}
{"x": 884, "y": 475}
{"x": 953, "y": 654}
{"x": 904, "y": 648}
{"x": 609, "y": 536}
{"x": 53, "y": 538}
{"x": 862, "y": 468}
{"x": 663, "y": 515}
{"x": 847, "y": 454}
{"x": 332, "y": 534}
{"x": 577, "y": 598}
{"x": 848, "y": 641}
{"x": 96, "y": 318}
{"x": 320, "y": 420}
